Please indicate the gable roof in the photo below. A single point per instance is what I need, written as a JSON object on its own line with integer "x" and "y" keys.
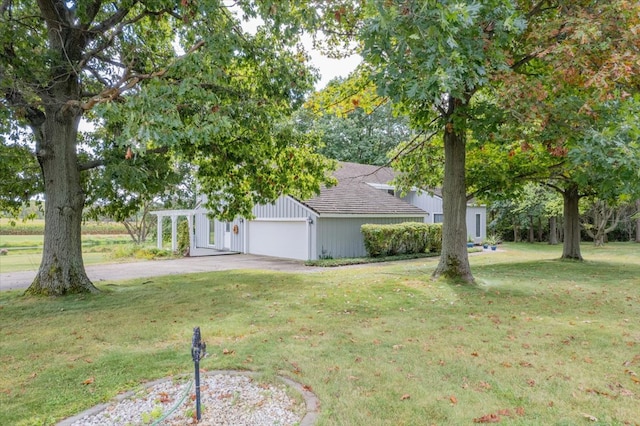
{"x": 354, "y": 196}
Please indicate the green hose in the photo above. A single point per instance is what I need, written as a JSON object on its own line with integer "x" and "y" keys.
{"x": 175, "y": 406}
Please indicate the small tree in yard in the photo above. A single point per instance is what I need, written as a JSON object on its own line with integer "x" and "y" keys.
{"x": 179, "y": 76}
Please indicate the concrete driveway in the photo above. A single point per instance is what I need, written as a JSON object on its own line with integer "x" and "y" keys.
{"x": 154, "y": 268}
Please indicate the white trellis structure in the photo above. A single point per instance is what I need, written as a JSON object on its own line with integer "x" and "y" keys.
{"x": 175, "y": 215}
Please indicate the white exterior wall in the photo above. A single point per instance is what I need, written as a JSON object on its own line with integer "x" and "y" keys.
{"x": 291, "y": 221}
{"x": 473, "y": 221}
{"x": 429, "y": 203}
{"x": 433, "y": 205}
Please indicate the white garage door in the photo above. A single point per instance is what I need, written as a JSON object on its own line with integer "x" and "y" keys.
{"x": 288, "y": 239}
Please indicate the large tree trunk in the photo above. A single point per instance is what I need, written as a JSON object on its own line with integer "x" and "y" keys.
{"x": 571, "y": 245}
{"x": 55, "y": 130}
{"x": 454, "y": 259}
{"x": 62, "y": 269}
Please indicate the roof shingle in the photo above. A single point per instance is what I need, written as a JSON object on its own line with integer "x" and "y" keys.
{"x": 354, "y": 196}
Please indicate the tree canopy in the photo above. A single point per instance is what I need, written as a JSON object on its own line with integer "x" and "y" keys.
{"x": 175, "y": 76}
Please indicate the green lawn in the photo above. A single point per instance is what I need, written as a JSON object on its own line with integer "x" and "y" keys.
{"x": 25, "y": 251}
{"x": 539, "y": 342}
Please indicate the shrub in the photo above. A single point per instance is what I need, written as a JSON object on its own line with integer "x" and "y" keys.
{"x": 402, "y": 238}
{"x": 183, "y": 236}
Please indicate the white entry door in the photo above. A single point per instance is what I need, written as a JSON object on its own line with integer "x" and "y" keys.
{"x": 227, "y": 236}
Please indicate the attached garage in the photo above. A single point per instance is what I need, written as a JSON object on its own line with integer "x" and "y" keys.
{"x": 288, "y": 238}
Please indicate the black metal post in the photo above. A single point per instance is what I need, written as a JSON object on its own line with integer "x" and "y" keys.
{"x": 198, "y": 351}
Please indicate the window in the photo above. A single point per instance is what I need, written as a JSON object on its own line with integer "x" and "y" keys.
{"x": 478, "y": 234}
{"x": 438, "y": 218}
{"x": 212, "y": 232}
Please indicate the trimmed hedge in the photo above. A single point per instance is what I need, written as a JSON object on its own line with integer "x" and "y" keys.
{"x": 401, "y": 238}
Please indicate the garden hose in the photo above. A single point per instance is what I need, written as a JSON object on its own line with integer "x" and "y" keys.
{"x": 175, "y": 406}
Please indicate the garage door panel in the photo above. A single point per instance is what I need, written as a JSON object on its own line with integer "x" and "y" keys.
{"x": 286, "y": 239}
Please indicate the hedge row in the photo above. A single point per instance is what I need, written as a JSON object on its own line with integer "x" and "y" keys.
{"x": 402, "y": 238}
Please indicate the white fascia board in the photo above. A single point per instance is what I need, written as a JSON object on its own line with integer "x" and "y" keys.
{"x": 307, "y": 208}
{"x": 177, "y": 212}
{"x": 282, "y": 219}
{"x": 347, "y": 216}
{"x": 381, "y": 186}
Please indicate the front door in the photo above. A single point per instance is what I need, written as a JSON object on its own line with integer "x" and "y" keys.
{"x": 227, "y": 236}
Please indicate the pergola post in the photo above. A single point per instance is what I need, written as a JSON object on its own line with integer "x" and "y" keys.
{"x": 159, "y": 232}
{"x": 174, "y": 232}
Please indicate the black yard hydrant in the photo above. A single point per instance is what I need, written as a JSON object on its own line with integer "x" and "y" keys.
{"x": 198, "y": 351}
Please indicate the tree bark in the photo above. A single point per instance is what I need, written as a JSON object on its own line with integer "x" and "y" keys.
{"x": 553, "y": 232}
{"x": 454, "y": 259}
{"x": 571, "y": 245}
{"x": 62, "y": 269}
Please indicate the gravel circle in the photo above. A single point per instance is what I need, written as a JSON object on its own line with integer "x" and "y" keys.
{"x": 231, "y": 398}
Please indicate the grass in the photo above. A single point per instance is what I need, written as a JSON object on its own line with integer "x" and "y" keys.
{"x": 25, "y": 251}
{"x": 539, "y": 341}
{"x": 36, "y": 226}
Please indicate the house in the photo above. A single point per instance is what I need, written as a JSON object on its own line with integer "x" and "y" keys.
{"x": 325, "y": 226}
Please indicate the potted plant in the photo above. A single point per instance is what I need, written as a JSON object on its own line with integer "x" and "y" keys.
{"x": 492, "y": 240}
{"x": 470, "y": 242}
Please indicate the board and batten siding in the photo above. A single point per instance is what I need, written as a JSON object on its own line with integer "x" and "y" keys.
{"x": 426, "y": 202}
{"x": 283, "y": 207}
{"x": 201, "y": 231}
{"x": 341, "y": 236}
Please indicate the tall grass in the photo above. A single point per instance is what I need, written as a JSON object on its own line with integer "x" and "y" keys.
{"x": 538, "y": 342}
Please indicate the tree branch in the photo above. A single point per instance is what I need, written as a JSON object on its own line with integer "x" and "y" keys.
{"x": 126, "y": 82}
{"x": 101, "y": 162}
{"x": 92, "y": 11}
{"x": 113, "y": 20}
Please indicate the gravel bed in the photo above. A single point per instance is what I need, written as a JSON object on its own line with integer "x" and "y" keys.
{"x": 226, "y": 399}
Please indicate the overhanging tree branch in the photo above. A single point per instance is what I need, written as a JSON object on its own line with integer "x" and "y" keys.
{"x": 126, "y": 82}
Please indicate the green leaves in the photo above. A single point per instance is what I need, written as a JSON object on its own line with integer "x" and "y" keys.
{"x": 422, "y": 51}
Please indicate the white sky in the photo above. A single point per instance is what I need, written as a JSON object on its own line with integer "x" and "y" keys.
{"x": 331, "y": 68}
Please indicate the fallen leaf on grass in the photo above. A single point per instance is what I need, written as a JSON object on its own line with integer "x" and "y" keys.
{"x": 405, "y": 396}
{"x": 89, "y": 381}
{"x": 590, "y": 417}
{"x": 497, "y": 417}
{"x": 453, "y": 399}
{"x": 226, "y": 351}
{"x": 488, "y": 418}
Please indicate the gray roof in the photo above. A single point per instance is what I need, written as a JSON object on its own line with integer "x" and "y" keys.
{"x": 354, "y": 196}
